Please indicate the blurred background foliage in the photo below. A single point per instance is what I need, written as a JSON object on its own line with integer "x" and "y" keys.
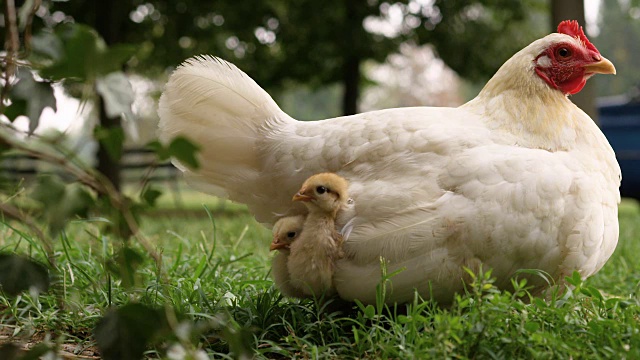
{"x": 315, "y": 43}
{"x": 290, "y": 46}
{"x": 619, "y": 38}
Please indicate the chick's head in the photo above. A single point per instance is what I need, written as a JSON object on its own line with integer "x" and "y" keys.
{"x": 324, "y": 192}
{"x": 285, "y": 231}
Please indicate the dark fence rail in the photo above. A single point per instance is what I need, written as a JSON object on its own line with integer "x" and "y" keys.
{"x": 620, "y": 123}
{"x": 135, "y": 167}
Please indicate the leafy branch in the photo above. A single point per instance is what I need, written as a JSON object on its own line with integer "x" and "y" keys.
{"x": 76, "y": 57}
{"x": 12, "y": 44}
{"x": 89, "y": 177}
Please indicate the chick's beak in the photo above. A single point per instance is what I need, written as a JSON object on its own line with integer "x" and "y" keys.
{"x": 275, "y": 245}
{"x": 603, "y": 66}
{"x": 302, "y": 196}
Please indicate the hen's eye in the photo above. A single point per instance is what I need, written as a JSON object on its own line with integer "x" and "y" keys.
{"x": 321, "y": 189}
{"x": 291, "y": 234}
{"x": 564, "y": 52}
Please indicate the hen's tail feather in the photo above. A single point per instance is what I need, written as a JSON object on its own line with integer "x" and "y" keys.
{"x": 220, "y": 108}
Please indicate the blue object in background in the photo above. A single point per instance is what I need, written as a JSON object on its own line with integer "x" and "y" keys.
{"x": 620, "y": 123}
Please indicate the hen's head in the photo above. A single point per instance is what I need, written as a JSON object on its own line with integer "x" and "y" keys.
{"x": 568, "y": 59}
{"x": 325, "y": 192}
{"x": 285, "y": 231}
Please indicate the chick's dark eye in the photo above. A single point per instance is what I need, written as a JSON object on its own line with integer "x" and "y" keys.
{"x": 321, "y": 189}
{"x": 564, "y": 52}
{"x": 291, "y": 234}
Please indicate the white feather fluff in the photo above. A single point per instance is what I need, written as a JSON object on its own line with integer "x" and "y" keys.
{"x": 206, "y": 90}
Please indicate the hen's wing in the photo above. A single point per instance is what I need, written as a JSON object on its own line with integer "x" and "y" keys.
{"x": 507, "y": 207}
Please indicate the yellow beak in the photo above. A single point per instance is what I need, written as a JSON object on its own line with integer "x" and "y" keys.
{"x": 300, "y": 196}
{"x": 603, "y": 66}
{"x": 275, "y": 245}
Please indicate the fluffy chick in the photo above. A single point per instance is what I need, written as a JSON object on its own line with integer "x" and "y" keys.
{"x": 313, "y": 255}
{"x": 285, "y": 231}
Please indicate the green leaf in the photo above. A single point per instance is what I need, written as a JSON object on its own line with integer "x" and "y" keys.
{"x": 161, "y": 152}
{"x": 38, "y": 96}
{"x": 38, "y": 352}
{"x": 112, "y": 139}
{"x": 125, "y": 266}
{"x": 84, "y": 55}
{"x": 532, "y": 326}
{"x": 47, "y": 45}
{"x": 125, "y": 333}
{"x": 19, "y": 273}
{"x": 61, "y": 202}
{"x": 17, "y": 108}
{"x": 184, "y": 151}
{"x": 150, "y": 195}
{"x": 114, "y": 58}
{"x": 593, "y": 292}
{"x": 117, "y": 94}
{"x": 575, "y": 279}
{"x": 463, "y": 303}
{"x": 80, "y": 52}
{"x": 117, "y": 223}
{"x": 10, "y": 351}
{"x": 369, "y": 312}
{"x": 240, "y": 340}
{"x": 48, "y": 190}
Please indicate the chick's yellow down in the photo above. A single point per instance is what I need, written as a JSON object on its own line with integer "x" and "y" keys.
{"x": 285, "y": 231}
{"x": 314, "y": 253}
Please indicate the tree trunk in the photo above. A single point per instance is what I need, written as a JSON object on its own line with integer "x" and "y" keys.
{"x": 574, "y": 10}
{"x": 108, "y": 20}
{"x": 107, "y": 166}
{"x": 351, "y": 65}
{"x": 351, "y": 82}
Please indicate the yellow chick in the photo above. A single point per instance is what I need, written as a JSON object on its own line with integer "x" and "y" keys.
{"x": 314, "y": 253}
{"x": 285, "y": 231}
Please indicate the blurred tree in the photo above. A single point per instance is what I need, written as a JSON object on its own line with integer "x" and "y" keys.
{"x": 321, "y": 42}
{"x": 475, "y": 38}
{"x": 619, "y": 38}
{"x": 413, "y": 77}
{"x": 107, "y": 18}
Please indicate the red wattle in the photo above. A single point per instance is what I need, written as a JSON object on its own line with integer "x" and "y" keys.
{"x": 573, "y": 86}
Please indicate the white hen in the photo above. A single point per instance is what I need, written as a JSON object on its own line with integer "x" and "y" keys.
{"x": 519, "y": 177}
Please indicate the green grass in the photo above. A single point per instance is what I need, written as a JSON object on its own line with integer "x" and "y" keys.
{"x": 217, "y": 283}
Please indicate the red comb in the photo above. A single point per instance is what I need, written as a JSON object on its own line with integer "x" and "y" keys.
{"x": 572, "y": 28}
